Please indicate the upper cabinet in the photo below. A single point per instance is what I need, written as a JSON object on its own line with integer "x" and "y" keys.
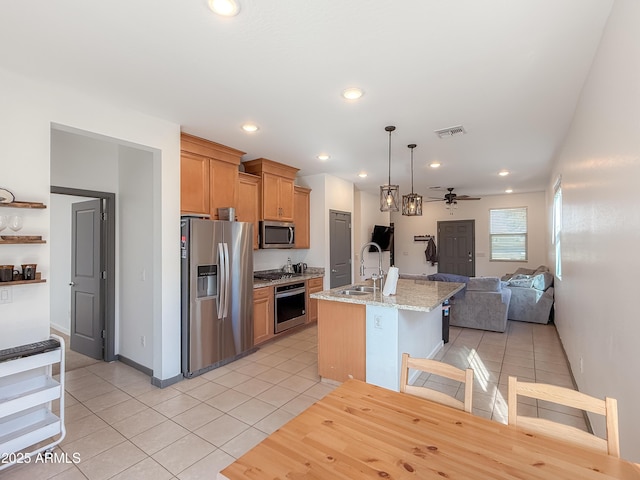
{"x": 277, "y": 196}
{"x": 248, "y": 206}
{"x": 301, "y": 216}
{"x": 208, "y": 176}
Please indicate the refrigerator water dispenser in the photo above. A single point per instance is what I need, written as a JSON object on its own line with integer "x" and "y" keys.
{"x": 207, "y": 281}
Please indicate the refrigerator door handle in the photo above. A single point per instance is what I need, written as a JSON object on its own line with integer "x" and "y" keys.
{"x": 221, "y": 283}
{"x": 226, "y": 280}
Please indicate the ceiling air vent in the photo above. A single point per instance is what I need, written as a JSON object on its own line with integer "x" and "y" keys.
{"x": 451, "y": 131}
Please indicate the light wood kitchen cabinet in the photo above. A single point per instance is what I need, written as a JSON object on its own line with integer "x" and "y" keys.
{"x": 248, "y": 206}
{"x": 342, "y": 340}
{"x": 277, "y": 192}
{"x": 223, "y": 178}
{"x": 262, "y": 314}
{"x": 301, "y": 216}
{"x": 194, "y": 184}
{"x": 314, "y": 285}
{"x": 208, "y": 176}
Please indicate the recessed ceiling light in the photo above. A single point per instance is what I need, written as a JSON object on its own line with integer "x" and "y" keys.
{"x": 250, "y": 127}
{"x": 503, "y": 173}
{"x": 323, "y": 156}
{"x": 226, "y": 8}
{"x": 434, "y": 164}
{"x": 508, "y": 190}
{"x": 362, "y": 174}
{"x": 353, "y": 93}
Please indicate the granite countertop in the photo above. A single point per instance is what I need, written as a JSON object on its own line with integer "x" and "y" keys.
{"x": 257, "y": 283}
{"x": 418, "y": 295}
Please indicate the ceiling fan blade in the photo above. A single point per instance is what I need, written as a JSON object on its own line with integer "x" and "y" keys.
{"x": 435, "y": 200}
{"x": 466, "y": 197}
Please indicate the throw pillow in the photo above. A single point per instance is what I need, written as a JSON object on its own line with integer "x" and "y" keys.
{"x": 542, "y": 281}
{"x": 522, "y": 281}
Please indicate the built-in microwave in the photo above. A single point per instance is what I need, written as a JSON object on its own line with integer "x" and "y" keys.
{"x": 277, "y": 234}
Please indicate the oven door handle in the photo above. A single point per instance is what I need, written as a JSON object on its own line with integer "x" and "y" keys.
{"x": 290, "y": 293}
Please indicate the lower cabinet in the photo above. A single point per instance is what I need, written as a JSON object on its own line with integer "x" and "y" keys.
{"x": 314, "y": 285}
{"x": 262, "y": 314}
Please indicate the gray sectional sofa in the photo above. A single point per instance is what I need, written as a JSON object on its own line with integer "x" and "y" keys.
{"x": 531, "y": 294}
{"x": 483, "y": 304}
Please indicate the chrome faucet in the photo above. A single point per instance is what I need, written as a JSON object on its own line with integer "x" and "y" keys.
{"x": 380, "y": 272}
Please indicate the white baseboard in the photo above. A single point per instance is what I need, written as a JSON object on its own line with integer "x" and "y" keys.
{"x": 60, "y": 328}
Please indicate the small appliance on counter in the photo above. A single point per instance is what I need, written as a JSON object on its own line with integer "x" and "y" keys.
{"x": 300, "y": 268}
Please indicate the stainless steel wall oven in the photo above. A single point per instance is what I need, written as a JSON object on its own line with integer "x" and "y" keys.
{"x": 290, "y": 306}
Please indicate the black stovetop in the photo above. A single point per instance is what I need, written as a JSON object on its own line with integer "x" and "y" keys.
{"x": 275, "y": 276}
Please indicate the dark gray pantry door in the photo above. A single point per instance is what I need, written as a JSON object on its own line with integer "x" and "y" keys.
{"x": 339, "y": 248}
{"x": 87, "y": 319}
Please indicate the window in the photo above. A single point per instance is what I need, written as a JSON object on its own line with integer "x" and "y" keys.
{"x": 508, "y": 232}
{"x": 557, "y": 226}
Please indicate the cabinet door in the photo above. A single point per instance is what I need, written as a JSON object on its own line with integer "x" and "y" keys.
{"x": 301, "y": 216}
{"x": 223, "y": 181}
{"x": 314, "y": 285}
{"x": 262, "y": 314}
{"x": 194, "y": 184}
{"x": 285, "y": 199}
{"x": 248, "y": 206}
{"x": 270, "y": 194}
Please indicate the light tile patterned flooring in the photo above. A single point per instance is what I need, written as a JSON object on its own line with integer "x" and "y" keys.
{"x": 124, "y": 428}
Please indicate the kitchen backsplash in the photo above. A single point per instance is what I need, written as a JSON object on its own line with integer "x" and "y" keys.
{"x": 276, "y": 258}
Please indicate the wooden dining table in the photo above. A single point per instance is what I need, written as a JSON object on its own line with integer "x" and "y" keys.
{"x": 361, "y": 431}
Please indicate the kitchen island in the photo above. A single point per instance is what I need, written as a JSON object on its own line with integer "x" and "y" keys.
{"x": 363, "y": 335}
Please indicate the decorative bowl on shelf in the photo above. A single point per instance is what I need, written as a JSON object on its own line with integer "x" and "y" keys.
{"x": 6, "y": 196}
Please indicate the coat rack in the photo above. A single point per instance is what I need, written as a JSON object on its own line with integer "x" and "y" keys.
{"x": 422, "y": 238}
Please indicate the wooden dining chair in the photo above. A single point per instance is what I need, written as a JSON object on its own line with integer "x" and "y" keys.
{"x": 571, "y": 398}
{"x": 437, "y": 368}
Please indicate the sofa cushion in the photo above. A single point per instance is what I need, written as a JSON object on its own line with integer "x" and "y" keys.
{"x": 448, "y": 277}
{"x": 542, "y": 281}
{"x": 484, "y": 284}
{"x": 523, "y": 271}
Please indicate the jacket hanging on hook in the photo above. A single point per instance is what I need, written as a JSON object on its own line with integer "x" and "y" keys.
{"x": 431, "y": 252}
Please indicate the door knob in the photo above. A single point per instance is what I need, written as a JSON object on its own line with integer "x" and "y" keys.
{"x": 72, "y": 284}
{"x": 333, "y": 270}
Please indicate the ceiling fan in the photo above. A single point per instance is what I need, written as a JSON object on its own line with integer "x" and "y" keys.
{"x": 451, "y": 198}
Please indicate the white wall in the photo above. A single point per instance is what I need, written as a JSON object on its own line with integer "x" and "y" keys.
{"x": 410, "y": 257}
{"x": 328, "y": 193}
{"x": 28, "y": 111}
{"x": 596, "y": 300}
{"x": 135, "y": 259}
{"x": 367, "y": 214}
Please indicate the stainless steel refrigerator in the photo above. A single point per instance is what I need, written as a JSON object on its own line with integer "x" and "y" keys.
{"x": 217, "y": 293}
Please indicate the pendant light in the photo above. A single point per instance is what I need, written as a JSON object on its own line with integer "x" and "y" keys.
{"x": 388, "y": 192}
{"x": 412, "y": 203}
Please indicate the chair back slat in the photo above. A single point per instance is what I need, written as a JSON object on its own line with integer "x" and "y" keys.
{"x": 443, "y": 370}
{"x": 571, "y": 398}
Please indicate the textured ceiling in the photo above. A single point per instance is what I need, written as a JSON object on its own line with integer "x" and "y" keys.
{"x": 509, "y": 71}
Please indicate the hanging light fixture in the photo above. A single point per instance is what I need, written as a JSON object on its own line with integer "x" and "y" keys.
{"x": 412, "y": 203}
{"x": 388, "y": 192}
